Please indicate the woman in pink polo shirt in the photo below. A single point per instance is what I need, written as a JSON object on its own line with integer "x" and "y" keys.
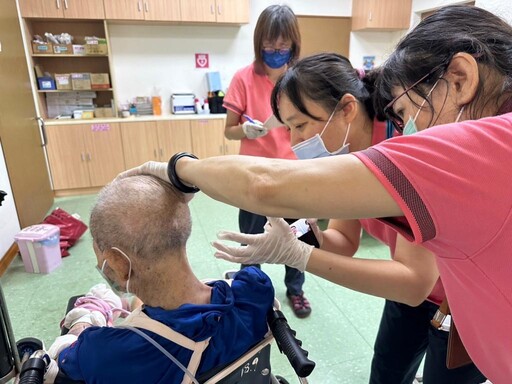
{"x": 276, "y": 46}
{"x": 447, "y": 187}
{"x": 327, "y": 106}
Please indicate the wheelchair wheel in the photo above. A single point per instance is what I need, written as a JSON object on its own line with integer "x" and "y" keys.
{"x": 282, "y": 380}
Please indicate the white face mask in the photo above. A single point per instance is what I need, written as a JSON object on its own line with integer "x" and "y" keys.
{"x": 314, "y": 147}
{"x": 113, "y": 284}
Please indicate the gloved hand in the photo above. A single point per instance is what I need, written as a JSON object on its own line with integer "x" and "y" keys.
{"x": 153, "y": 168}
{"x": 278, "y": 245}
{"x": 254, "y": 130}
{"x": 84, "y": 315}
{"x": 313, "y": 224}
{"x": 61, "y": 343}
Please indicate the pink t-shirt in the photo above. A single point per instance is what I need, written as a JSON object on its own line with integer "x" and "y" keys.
{"x": 249, "y": 93}
{"x": 385, "y": 233}
{"x": 454, "y": 185}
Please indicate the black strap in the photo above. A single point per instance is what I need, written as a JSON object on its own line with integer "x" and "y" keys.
{"x": 171, "y": 172}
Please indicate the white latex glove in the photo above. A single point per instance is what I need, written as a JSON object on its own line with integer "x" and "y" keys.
{"x": 254, "y": 130}
{"x": 84, "y": 315}
{"x": 278, "y": 245}
{"x": 313, "y": 224}
{"x": 61, "y": 343}
{"x": 153, "y": 168}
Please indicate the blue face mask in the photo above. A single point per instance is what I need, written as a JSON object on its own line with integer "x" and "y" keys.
{"x": 276, "y": 60}
{"x": 118, "y": 290}
{"x": 314, "y": 147}
{"x": 410, "y": 128}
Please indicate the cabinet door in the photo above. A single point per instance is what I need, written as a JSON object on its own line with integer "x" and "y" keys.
{"x": 173, "y": 136}
{"x": 41, "y": 8}
{"x": 140, "y": 143}
{"x": 162, "y": 10}
{"x": 104, "y": 152}
{"x": 67, "y": 156}
{"x": 381, "y": 15}
{"x": 232, "y": 11}
{"x": 84, "y": 9}
{"x": 124, "y": 9}
{"x": 198, "y": 10}
{"x": 207, "y": 137}
{"x": 231, "y": 147}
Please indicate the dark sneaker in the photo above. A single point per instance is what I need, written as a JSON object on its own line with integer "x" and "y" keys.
{"x": 300, "y": 305}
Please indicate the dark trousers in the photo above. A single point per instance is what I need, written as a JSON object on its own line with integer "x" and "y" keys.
{"x": 253, "y": 224}
{"x": 404, "y": 336}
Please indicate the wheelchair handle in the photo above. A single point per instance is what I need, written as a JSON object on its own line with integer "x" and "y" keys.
{"x": 289, "y": 345}
{"x": 33, "y": 370}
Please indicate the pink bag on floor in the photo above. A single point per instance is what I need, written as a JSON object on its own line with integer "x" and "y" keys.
{"x": 71, "y": 229}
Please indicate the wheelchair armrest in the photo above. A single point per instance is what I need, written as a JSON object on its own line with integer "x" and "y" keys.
{"x": 289, "y": 345}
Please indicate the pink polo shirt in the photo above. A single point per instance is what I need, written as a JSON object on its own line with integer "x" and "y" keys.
{"x": 454, "y": 184}
{"x": 249, "y": 93}
{"x": 384, "y": 233}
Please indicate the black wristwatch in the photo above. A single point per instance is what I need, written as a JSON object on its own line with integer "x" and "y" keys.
{"x": 171, "y": 172}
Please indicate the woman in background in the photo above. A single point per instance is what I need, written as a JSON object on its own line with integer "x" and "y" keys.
{"x": 276, "y": 47}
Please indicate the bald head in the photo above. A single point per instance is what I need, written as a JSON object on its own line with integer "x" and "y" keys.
{"x": 141, "y": 215}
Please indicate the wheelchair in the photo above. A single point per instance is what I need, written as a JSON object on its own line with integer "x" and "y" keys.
{"x": 251, "y": 368}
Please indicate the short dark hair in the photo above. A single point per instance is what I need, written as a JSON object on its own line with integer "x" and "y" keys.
{"x": 141, "y": 215}
{"x": 323, "y": 78}
{"x": 276, "y": 21}
{"x": 436, "y": 39}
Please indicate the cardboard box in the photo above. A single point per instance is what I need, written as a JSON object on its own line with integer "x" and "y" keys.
{"x": 103, "y": 112}
{"x": 78, "y": 49}
{"x": 81, "y": 81}
{"x": 100, "y": 81}
{"x": 46, "y": 83}
{"x": 63, "y": 81}
{"x": 60, "y": 49}
{"x": 42, "y": 48}
{"x": 96, "y": 47}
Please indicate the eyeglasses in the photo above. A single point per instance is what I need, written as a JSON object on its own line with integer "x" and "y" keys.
{"x": 393, "y": 117}
{"x": 281, "y": 51}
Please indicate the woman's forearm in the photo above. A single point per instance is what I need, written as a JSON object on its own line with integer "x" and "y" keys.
{"x": 388, "y": 279}
{"x": 336, "y": 187}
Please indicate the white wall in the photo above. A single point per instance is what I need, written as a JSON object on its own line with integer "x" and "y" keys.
{"x": 9, "y": 224}
{"x": 146, "y": 57}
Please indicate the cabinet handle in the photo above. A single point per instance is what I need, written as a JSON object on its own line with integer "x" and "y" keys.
{"x": 43, "y": 131}
{"x": 219, "y": 9}
{"x": 139, "y": 6}
{"x": 57, "y": 2}
{"x": 89, "y": 157}
{"x": 146, "y": 5}
{"x": 161, "y": 153}
{"x": 221, "y": 149}
{"x": 225, "y": 149}
{"x": 82, "y": 156}
{"x": 154, "y": 153}
{"x": 212, "y": 9}
{"x": 370, "y": 16}
{"x": 66, "y": 4}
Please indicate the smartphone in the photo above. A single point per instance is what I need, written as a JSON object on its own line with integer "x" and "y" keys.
{"x": 303, "y": 231}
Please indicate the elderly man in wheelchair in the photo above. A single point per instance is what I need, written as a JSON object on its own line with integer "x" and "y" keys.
{"x": 186, "y": 331}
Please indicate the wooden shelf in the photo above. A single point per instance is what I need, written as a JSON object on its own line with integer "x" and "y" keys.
{"x": 73, "y": 90}
{"x": 64, "y": 55}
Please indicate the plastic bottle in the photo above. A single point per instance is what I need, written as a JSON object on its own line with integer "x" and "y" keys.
{"x": 133, "y": 109}
{"x": 199, "y": 109}
{"x": 206, "y": 107}
{"x": 157, "y": 105}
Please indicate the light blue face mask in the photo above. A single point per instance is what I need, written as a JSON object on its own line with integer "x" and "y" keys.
{"x": 410, "y": 128}
{"x": 314, "y": 147}
{"x": 118, "y": 290}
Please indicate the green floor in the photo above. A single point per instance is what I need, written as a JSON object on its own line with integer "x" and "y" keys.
{"x": 339, "y": 334}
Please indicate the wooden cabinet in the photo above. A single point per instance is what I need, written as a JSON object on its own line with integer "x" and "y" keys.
{"x": 208, "y": 139}
{"x": 69, "y": 9}
{"x": 151, "y": 10}
{"x": 69, "y": 63}
{"x": 381, "y": 14}
{"x": 215, "y": 11}
{"x": 154, "y": 140}
{"x": 82, "y": 156}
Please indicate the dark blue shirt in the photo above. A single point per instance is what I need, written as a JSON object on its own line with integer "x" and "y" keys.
{"x": 235, "y": 320}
